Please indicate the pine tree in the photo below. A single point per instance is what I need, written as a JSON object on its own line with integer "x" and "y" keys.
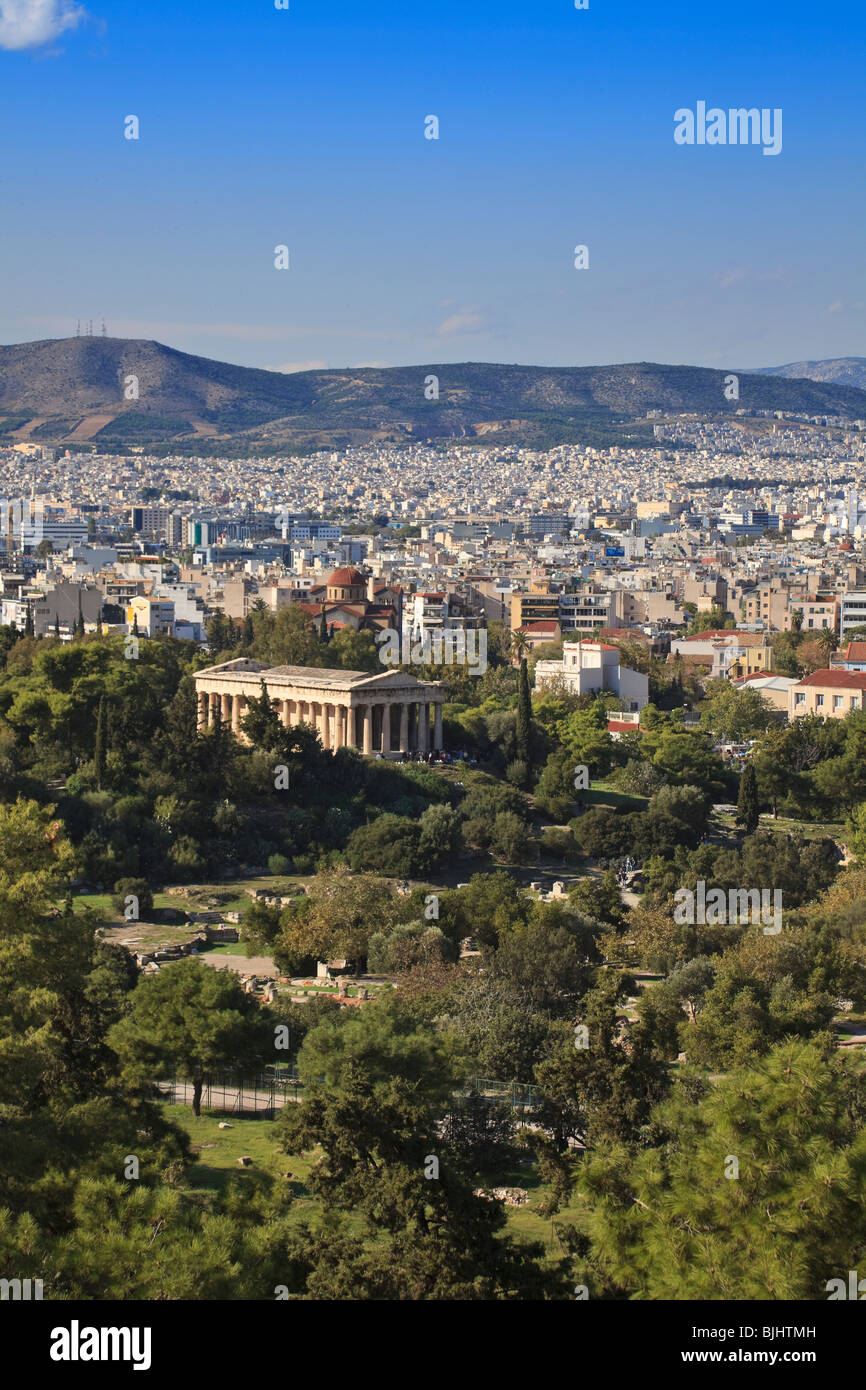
{"x": 752, "y": 1190}
{"x": 748, "y": 811}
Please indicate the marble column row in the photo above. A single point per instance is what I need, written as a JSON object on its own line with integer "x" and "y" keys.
{"x": 370, "y": 727}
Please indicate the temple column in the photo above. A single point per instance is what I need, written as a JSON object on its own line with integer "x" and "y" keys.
{"x": 239, "y": 713}
{"x": 423, "y": 727}
{"x": 226, "y": 711}
{"x": 339, "y": 727}
{"x": 437, "y": 727}
{"x": 214, "y": 708}
{"x": 368, "y": 728}
{"x": 287, "y": 714}
{"x": 404, "y": 728}
{"x": 386, "y": 729}
{"x": 351, "y": 734}
{"x": 326, "y": 726}
{"x": 202, "y": 709}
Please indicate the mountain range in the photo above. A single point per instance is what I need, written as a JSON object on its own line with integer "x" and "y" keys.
{"x": 843, "y": 371}
{"x": 122, "y": 393}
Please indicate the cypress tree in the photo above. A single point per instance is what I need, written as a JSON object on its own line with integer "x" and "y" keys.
{"x": 748, "y": 810}
{"x": 57, "y": 626}
{"x": 99, "y": 744}
{"x": 524, "y": 717}
{"x": 28, "y": 623}
{"x": 323, "y": 627}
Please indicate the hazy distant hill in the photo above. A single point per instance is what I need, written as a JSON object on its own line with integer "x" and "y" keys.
{"x": 73, "y": 390}
{"x": 843, "y": 371}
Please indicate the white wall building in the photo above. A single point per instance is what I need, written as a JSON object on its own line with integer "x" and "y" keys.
{"x": 853, "y": 611}
{"x": 588, "y": 667}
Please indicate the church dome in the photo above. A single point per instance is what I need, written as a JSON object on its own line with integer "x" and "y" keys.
{"x": 346, "y": 585}
{"x": 347, "y": 578}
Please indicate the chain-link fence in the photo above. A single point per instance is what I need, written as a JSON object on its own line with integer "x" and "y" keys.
{"x": 268, "y": 1091}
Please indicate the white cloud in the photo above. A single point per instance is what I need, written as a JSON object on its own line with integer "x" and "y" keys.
{"x": 466, "y": 321}
{"x": 29, "y": 23}
{"x": 298, "y": 367}
{"x": 836, "y": 307}
{"x": 728, "y": 278}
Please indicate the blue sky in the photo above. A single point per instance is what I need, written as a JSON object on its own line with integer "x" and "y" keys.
{"x": 305, "y": 127}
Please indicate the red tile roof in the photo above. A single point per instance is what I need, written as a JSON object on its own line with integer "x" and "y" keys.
{"x": 618, "y": 726}
{"x": 855, "y": 651}
{"x": 347, "y": 577}
{"x": 840, "y": 680}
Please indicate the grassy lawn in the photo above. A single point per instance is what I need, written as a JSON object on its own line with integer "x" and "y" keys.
{"x": 810, "y": 830}
{"x": 207, "y": 897}
{"x": 601, "y": 793}
{"x": 526, "y": 1223}
{"x": 218, "y": 1150}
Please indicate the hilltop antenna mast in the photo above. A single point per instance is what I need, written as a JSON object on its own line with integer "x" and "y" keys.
{"x": 103, "y": 328}
{"x": 78, "y": 329}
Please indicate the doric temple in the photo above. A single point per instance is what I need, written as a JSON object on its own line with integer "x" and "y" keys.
{"x": 389, "y": 713}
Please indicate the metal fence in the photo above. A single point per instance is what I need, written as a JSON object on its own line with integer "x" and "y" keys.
{"x": 268, "y": 1091}
{"x": 235, "y": 1093}
{"x": 515, "y": 1094}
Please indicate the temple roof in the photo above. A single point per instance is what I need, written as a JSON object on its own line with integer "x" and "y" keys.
{"x": 318, "y": 677}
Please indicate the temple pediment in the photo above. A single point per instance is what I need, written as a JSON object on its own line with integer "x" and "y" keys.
{"x": 315, "y": 677}
{"x": 390, "y": 680}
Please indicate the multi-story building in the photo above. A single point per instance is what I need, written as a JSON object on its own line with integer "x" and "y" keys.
{"x": 583, "y": 612}
{"x": 852, "y": 611}
{"x": 62, "y": 606}
{"x": 817, "y": 614}
{"x": 831, "y": 694}
{"x": 534, "y": 607}
{"x": 768, "y": 605}
{"x": 593, "y": 667}
{"x": 150, "y": 615}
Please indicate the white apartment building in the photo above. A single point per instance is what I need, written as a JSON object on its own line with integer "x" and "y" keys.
{"x": 584, "y": 611}
{"x": 590, "y": 667}
{"x": 853, "y": 611}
